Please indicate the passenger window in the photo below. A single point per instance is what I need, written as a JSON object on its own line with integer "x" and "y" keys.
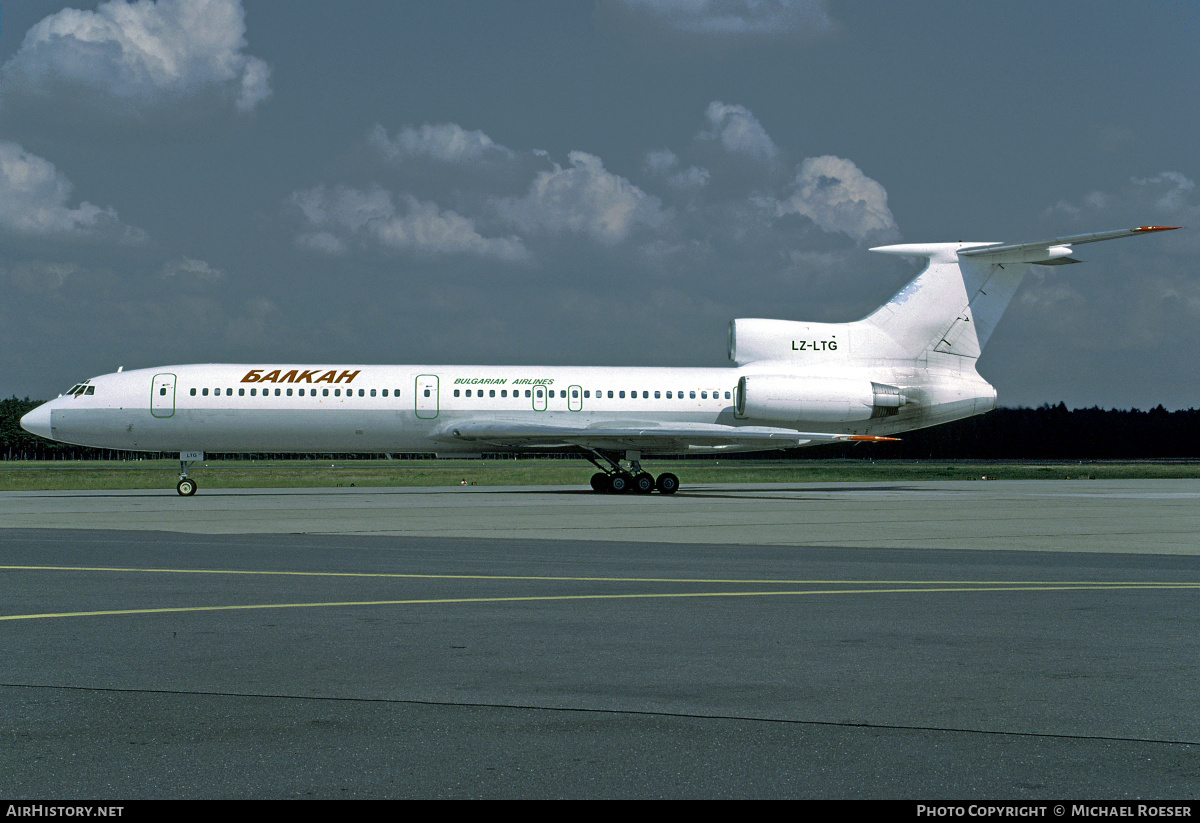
{"x": 703, "y": 395}
{"x": 163, "y": 391}
{"x": 726, "y": 395}
{"x": 395, "y": 392}
{"x": 193, "y": 392}
{"x": 241, "y": 392}
{"x": 373, "y": 393}
{"x": 575, "y": 392}
{"x": 621, "y": 393}
{"x": 253, "y": 392}
{"x": 587, "y": 392}
{"x": 528, "y": 393}
{"x": 492, "y": 393}
{"x": 645, "y": 395}
{"x": 455, "y": 392}
{"x": 668, "y": 395}
{"x": 504, "y": 392}
{"x": 385, "y": 392}
{"x": 337, "y": 392}
{"x": 205, "y": 392}
{"x": 610, "y": 394}
{"x": 324, "y": 392}
{"x": 289, "y": 392}
{"x": 692, "y": 395}
{"x": 427, "y": 392}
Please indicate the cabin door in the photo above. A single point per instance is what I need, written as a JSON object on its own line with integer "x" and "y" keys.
{"x": 162, "y": 395}
{"x": 427, "y": 396}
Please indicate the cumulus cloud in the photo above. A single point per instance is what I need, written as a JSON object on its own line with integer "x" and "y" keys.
{"x": 732, "y": 21}
{"x": 585, "y": 199}
{"x": 34, "y": 200}
{"x": 444, "y": 142}
{"x": 739, "y": 132}
{"x": 135, "y": 57}
{"x": 335, "y": 216}
{"x": 835, "y": 194}
{"x": 665, "y": 164}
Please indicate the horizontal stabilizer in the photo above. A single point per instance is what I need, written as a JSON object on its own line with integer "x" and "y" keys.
{"x": 1048, "y": 252}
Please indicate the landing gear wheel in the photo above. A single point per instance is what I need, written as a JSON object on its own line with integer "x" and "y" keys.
{"x": 643, "y": 483}
{"x": 618, "y": 483}
{"x": 599, "y": 482}
{"x": 186, "y": 487}
{"x": 667, "y": 483}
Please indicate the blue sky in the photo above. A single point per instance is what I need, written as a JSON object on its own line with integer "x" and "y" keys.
{"x": 601, "y": 183}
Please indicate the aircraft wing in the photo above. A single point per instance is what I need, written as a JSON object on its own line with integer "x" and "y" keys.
{"x": 634, "y": 435}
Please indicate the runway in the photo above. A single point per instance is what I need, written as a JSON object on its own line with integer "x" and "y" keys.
{"x": 918, "y": 640}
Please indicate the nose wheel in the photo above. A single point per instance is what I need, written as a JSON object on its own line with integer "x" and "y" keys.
{"x": 186, "y": 485}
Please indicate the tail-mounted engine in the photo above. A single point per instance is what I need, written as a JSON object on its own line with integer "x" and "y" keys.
{"x": 788, "y": 399}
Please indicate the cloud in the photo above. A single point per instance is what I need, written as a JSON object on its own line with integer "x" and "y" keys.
{"x": 138, "y": 57}
{"x": 445, "y": 142}
{"x": 721, "y": 21}
{"x": 339, "y": 215}
{"x": 34, "y": 200}
{"x": 665, "y": 163}
{"x": 40, "y": 276}
{"x": 191, "y": 269}
{"x": 584, "y": 199}
{"x": 739, "y": 132}
{"x": 1166, "y": 198}
{"x": 835, "y": 194}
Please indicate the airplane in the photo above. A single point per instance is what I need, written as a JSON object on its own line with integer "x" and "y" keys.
{"x": 909, "y": 364}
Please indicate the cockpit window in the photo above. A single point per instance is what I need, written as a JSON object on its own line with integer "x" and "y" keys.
{"x": 90, "y": 390}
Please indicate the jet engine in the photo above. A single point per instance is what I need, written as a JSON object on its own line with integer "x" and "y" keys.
{"x": 789, "y": 399}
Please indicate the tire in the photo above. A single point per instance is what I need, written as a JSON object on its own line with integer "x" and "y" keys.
{"x": 599, "y": 482}
{"x": 186, "y": 487}
{"x": 643, "y": 483}
{"x": 667, "y": 483}
{"x": 618, "y": 483}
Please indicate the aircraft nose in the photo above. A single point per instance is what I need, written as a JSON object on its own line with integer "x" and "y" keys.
{"x": 38, "y": 421}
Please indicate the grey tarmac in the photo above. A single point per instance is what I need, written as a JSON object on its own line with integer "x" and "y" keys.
{"x": 1024, "y": 640}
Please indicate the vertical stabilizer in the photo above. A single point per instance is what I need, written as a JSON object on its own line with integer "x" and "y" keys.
{"x": 953, "y": 306}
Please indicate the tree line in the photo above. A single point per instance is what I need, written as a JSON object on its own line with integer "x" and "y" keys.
{"x": 1045, "y": 433}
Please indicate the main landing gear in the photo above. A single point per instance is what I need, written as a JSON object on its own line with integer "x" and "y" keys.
{"x": 615, "y": 479}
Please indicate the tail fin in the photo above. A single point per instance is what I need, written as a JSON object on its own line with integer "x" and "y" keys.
{"x": 953, "y": 305}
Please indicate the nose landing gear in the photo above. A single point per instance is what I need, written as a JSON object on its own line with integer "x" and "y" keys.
{"x": 186, "y": 485}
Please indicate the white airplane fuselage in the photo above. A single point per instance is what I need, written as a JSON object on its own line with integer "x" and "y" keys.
{"x": 389, "y": 409}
